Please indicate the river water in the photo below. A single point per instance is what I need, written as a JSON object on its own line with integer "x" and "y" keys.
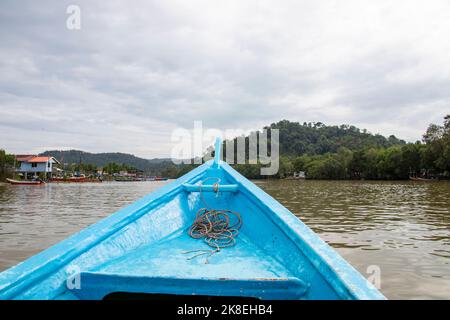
{"x": 402, "y": 228}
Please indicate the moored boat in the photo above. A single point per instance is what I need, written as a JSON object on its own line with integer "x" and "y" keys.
{"x": 74, "y": 179}
{"x": 422, "y": 179}
{"x": 157, "y": 178}
{"x": 25, "y": 182}
{"x": 158, "y": 245}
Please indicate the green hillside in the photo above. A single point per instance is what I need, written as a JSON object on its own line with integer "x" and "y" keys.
{"x": 318, "y": 138}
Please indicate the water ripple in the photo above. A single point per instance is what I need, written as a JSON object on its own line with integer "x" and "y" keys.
{"x": 403, "y": 227}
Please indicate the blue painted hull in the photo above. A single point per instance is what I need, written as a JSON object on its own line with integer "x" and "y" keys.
{"x": 141, "y": 249}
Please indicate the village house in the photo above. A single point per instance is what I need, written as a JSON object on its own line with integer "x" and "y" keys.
{"x": 34, "y": 165}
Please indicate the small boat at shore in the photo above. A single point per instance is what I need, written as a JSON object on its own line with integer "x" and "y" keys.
{"x": 157, "y": 178}
{"x": 25, "y": 182}
{"x": 160, "y": 245}
{"x": 422, "y": 179}
{"x": 74, "y": 180}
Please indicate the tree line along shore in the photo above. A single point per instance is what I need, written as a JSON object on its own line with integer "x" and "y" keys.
{"x": 323, "y": 152}
{"x": 346, "y": 152}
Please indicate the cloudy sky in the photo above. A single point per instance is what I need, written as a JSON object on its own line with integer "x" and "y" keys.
{"x": 137, "y": 70}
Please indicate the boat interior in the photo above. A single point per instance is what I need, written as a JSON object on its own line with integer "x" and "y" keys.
{"x": 146, "y": 249}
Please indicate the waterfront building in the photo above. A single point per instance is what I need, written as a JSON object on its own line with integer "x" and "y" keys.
{"x": 34, "y": 165}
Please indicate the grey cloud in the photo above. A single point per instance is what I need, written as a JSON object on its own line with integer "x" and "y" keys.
{"x": 137, "y": 70}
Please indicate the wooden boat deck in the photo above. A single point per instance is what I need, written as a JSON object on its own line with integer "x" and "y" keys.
{"x": 245, "y": 263}
{"x": 166, "y": 258}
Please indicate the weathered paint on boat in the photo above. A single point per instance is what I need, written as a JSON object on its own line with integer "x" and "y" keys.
{"x": 139, "y": 249}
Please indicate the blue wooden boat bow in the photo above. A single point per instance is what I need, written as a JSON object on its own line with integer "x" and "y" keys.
{"x": 140, "y": 249}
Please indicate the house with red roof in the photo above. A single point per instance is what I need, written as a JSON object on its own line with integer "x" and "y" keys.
{"x": 33, "y": 164}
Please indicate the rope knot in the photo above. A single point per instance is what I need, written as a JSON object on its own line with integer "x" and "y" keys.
{"x": 218, "y": 228}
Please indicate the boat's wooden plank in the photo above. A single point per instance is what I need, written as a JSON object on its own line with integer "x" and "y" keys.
{"x": 96, "y": 286}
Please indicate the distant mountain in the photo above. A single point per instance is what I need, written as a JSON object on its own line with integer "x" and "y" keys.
{"x": 101, "y": 159}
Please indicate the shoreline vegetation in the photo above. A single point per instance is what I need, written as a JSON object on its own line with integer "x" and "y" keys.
{"x": 323, "y": 152}
{"x": 348, "y": 153}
